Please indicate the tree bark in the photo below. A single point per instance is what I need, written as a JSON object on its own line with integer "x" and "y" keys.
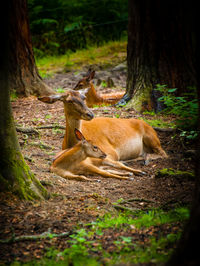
{"x": 160, "y": 50}
{"x": 23, "y": 74}
{"x": 15, "y": 175}
{"x": 187, "y": 252}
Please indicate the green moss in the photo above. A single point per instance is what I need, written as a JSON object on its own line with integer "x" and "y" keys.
{"x": 169, "y": 172}
{"x": 19, "y": 180}
{"x": 140, "y": 98}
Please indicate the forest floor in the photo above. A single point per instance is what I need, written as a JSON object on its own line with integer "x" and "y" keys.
{"x": 74, "y": 202}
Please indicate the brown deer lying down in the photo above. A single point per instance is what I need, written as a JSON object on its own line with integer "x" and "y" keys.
{"x": 119, "y": 139}
{"x": 68, "y": 162}
{"x": 92, "y": 97}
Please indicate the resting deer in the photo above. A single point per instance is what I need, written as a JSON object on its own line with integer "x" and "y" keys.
{"x": 92, "y": 97}
{"x": 68, "y": 162}
{"x": 120, "y": 139}
{"x": 75, "y": 110}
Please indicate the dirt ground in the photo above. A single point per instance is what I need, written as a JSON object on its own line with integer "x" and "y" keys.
{"x": 75, "y": 202}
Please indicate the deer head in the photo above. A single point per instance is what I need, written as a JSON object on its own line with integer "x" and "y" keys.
{"x": 89, "y": 149}
{"x": 73, "y": 103}
{"x": 85, "y": 81}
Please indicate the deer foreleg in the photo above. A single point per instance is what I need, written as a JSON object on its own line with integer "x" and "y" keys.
{"x": 119, "y": 173}
{"x": 121, "y": 166}
{"x": 68, "y": 175}
{"x": 92, "y": 169}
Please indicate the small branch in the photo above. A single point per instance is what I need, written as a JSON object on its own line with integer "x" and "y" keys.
{"x": 164, "y": 129}
{"x": 119, "y": 207}
{"x": 45, "y": 235}
{"x": 137, "y": 199}
{"x": 42, "y": 145}
{"x": 27, "y": 130}
{"x": 50, "y": 126}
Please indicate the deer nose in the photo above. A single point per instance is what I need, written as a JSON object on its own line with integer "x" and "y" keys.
{"x": 90, "y": 115}
{"x": 103, "y": 156}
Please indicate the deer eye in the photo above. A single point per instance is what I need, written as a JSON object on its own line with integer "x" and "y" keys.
{"x": 95, "y": 148}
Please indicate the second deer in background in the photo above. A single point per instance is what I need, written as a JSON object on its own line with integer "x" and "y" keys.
{"x": 92, "y": 97}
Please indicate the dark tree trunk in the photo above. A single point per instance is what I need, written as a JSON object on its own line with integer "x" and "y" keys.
{"x": 23, "y": 73}
{"x": 160, "y": 49}
{"x": 15, "y": 175}
{"x": 187, "y": 252}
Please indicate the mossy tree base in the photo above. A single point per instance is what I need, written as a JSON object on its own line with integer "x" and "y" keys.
{"x": 16, "y": 178}
{"x": 141, "y": 101}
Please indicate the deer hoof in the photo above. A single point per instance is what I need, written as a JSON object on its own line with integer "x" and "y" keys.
{"x": 97, "y": 180}
{"x": 140, "y": 173}
{"x": 130, "y": 174}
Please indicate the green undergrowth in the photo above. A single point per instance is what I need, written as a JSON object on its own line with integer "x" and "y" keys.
{"x": 155, "y": 120}
{"x": 167, "y": 172}
{"x": 104, "y": 56}
{"x": 121, "y": 237}
{"x": 184, "y": 106}
{"x": 158, "y": 122}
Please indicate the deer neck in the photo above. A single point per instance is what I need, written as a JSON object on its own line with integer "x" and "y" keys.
{"x": 71, "y": 157}
{"x": 92, "y": 97}
{"x": 78, "y": 154}
{"x": 70, "y": 138}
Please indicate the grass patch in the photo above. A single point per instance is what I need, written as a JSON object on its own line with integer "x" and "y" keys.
{"x": 158, "y": 122}
{"x": 142, "y": 219}
{"x": 107, "y": 55}
{"x": 142, "y": 237}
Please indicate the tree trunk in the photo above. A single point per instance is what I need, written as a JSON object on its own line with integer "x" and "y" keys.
{"x": 160, "y": 50}
{"x": 187, "y": 252}
{"x": 23, "y": 73}
{"x": 15, "y": 175}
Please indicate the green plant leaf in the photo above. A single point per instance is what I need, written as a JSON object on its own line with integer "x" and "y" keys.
{"x": 72, "y": 26}
{"x": 172, "y": 90}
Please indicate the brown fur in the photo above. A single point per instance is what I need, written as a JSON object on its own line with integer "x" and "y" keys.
{"x": 68, "y": 162}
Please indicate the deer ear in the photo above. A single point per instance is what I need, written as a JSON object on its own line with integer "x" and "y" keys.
{"x": 67, "y": 96}
{"x": 88, "y": 73}
{"x": 50, "y": 98}
{"x": 78, "y": 134}
{"x": 92, "y": 73}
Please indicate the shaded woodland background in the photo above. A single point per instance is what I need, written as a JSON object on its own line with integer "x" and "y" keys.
{"x": 62, "y": 26}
